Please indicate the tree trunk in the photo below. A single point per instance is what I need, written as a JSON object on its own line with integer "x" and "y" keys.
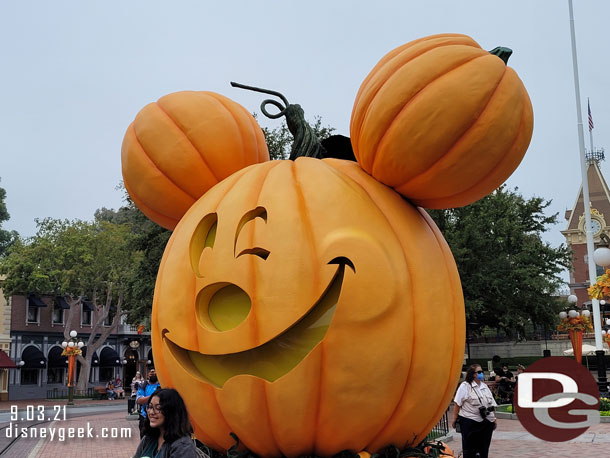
{"x": 93, "y": 343}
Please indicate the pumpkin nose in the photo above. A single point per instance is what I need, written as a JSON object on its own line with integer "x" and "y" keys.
{"x": 227, "y": 308}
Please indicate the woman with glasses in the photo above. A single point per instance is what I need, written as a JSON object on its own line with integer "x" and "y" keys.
{"x": 473, "y": 413}
{"x": 167, "y": 430}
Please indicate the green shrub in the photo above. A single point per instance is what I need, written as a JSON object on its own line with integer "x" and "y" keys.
{"x": 604, "y": 404}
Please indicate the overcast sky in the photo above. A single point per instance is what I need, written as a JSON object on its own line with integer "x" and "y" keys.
{"x": 74, "y": 75}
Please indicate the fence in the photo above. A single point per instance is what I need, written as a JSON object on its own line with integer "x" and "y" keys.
{"x": 63, "y": 394}
{"x": 441, "y": 428}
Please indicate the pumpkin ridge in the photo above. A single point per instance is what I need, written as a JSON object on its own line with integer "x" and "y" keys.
{"x": 158, "y": 105}
{"x": 448, "y": 257}
{"x": 356, "y": 128}
{"x": 237, "y": 124}
{"x": 146, "y": 209}
{"x": 308, "y": 230}
{"x": 461, "y": 137}
{"x": 426, "y": 202}
{"x": 154, "y": 165}
{"x": 256, "y": 333}
{"x": 409, "y": 269}
{"x": 406, "y": 105}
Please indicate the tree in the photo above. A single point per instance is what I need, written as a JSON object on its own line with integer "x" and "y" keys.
{"x": 83, "y": 261}
{"x": 6, "y": 237}
{"x": 509, "y": 274}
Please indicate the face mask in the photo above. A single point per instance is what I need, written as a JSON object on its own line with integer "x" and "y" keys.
{"x": 153, "y": 379}
{"x": 479, "y": 376}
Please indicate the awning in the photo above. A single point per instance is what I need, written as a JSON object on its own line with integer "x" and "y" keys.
{"x": 60, "y": 302}
{"x": 6, "y": 362}
{"x": 35, "y": 301}
{"x": 55, "y": 358}
{"x": 95, "y": 360}
{"x": 33, "y": 358}
{"x": 109, "y": 358}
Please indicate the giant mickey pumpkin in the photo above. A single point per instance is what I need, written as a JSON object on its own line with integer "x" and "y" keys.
{"x": 304, "y": 305}
{"x": 180, "y": 146}
{"x": 442, "y": 121}
{"x": 308, "y": 308}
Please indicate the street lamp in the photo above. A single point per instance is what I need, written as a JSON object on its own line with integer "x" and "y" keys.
{"x": 72, "y": 348}
{"x": 601, "y": 256}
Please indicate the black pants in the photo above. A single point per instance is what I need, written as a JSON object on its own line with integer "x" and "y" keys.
{"x": 476, "y": 437}
{"x": 141, "y": 421}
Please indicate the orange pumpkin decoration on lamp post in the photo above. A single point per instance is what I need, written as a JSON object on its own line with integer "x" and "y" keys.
{"x": 294, "y": 302}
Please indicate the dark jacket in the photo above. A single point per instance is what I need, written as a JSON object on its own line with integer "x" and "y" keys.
{"x": 180, "y": 448}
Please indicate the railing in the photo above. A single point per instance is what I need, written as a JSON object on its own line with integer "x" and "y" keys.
{"x": 56, "y": 393}
{"x": 441, "y": 428}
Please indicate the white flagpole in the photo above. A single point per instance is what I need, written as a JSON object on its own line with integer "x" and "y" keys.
{"x": 585, "y": 189}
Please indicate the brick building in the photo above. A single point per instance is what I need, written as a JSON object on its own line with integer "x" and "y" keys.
{"x": 575, "y": 234}
{"x": 36, "y": 333}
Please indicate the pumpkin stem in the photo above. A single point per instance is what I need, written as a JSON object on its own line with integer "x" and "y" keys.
{"x": 306, "y": 143}
{"x": 502, "y": 52}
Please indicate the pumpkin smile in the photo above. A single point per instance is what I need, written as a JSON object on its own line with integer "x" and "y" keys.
{"x": 275, "y": 358}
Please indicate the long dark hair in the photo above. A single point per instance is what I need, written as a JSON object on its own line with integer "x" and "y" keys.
{"x": 176, "y": 424}
{"x": 470, "y": 372}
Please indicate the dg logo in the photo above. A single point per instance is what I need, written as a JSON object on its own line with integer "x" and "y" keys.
{"x": 557, "y": 399}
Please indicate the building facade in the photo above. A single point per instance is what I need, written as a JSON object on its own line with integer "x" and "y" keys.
{"x": 36, "y": 333}
{"x": 5, "y": 343}
{"x": 575, "y": 233}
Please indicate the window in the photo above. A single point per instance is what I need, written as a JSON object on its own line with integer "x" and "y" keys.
{"x": 32, "y": 314}
{"x": 109, "y": 318}
{"x": 85, "y": 315}
{"x": 58, "y": 315}
{"x": 29, "y": 376}
{"x": 55, "y": 375}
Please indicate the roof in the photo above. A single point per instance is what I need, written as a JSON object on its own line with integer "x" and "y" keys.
{"x": 5, "y": 361}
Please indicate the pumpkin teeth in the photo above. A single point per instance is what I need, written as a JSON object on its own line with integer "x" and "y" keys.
{"x": 273, "y": 359}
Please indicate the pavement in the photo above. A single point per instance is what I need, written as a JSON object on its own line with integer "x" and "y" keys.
{"x": 511, "y": 439}
{"x": 98, "y": 418}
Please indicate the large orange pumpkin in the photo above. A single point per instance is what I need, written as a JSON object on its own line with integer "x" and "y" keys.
{"x": 308, "y": 308}
{"x": 442, "y": 121}
{"x": 180, "y": 146}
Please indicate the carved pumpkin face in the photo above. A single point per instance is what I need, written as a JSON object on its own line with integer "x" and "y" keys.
{"x": 305, "y": 307}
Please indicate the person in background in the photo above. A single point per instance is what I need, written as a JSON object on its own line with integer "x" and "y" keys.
{"x": 506, "y": 383}
{"x": 473, "y": 412}
{"x": 143, "y": 396}
{"x": 167, "y": 430}
{"x": 110, "y": 391}
{"x": 118, "y": 388}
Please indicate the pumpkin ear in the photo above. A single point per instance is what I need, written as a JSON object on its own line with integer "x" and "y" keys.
{"x": 442, "y": 121}
{"x": 180, "y": 146}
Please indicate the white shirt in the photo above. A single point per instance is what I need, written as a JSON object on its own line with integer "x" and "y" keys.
{"x": 471, "y": 396}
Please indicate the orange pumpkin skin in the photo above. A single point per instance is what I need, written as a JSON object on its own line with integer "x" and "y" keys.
{"x": 442, "y": 121}
{"x": 360, "y": 386}
{"x": 180, "y": 146}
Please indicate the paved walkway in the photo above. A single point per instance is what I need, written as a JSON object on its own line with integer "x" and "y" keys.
{"x": 511, "y": 439}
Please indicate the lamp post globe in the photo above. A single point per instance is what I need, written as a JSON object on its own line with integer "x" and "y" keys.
{"x": 601, "y": 256}
{"x": 563, "y": 315}
{"x": 72, "y": 333}
{"x": 573, "y": 313}
{"x": 572, "y": 299}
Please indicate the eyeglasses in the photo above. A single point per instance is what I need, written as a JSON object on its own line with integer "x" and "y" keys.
{"x": 155, "y": 408}
{"x": 479, "y": 372}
